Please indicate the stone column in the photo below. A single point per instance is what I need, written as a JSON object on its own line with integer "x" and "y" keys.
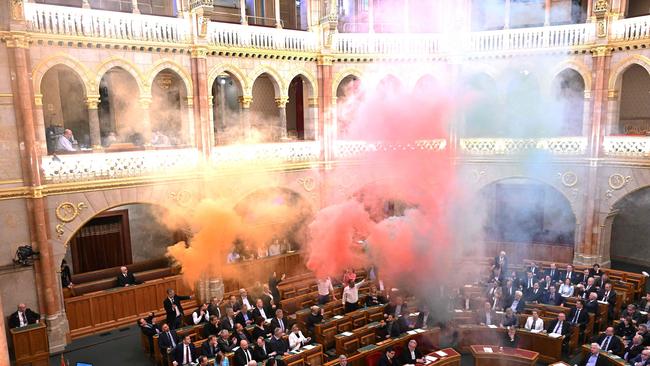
{"x": 39, "y": 121}
{"x": 506, "y": 19}
{"x": 325, "y": 96}
{"x": 92, "y": 103}
{"x": 190, "y": 116}
{"x": 282, "y": 107}
{"x": 245, "y": 104}
{"x": 311, "y": 119}
{"x": 242, "y": 12}
{"x": 213, "y": 125}
{"x": 201, "y": 103}
{"x": 547, "y": 12}
{"x": 371, "y": 16}
{"x": 4, "y": 349}
{"x": 48, "y": 291}
{"x": 586, "y": 113}
{"x": 145, "y": 104}
{"x": 276, "y": 8}
{"x": 613, "y": 105}
{"x": 134, "y": 7}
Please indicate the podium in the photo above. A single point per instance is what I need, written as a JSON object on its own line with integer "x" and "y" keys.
{"x": 31, "y": 346}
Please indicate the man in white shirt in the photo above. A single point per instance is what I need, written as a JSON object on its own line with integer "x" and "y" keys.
{"x": 65, "y": 142}
{"x": 351, "y": 296}
{"x": 243, "y": 298}
{"x": 534, "y": 323}
{"x": 259, "y": 310}
{"x": 324, "y": 289}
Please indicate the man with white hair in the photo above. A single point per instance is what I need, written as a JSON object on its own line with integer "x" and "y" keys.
{"x": 343, "y": 360}
{"x": 634, "y": 348}
{"x": 517, "y": 303}
{"x": 411, "y": 354}
{"x": 125, "y": 278}
{"x": 643, "y": 359}
{"x": 593, "y": 358}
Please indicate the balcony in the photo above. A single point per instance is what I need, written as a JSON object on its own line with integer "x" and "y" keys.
{"x": 261, "y": 38}
{"x": 626, "y": 146}
{"x": 569, "y": 146}
{"x": 88, "y": 23}
{"x": 387, "y": 43}
{"x": 95, "y": 166}
{"x": 347, "y": 149}
{"x": 282, "y": 152}
{"x": 631, "y": 29}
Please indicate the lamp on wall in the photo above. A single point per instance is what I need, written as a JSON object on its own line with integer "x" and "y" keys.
{"x": 25, "y": 255}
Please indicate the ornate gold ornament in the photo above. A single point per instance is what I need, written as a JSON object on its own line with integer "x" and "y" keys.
{"x": 601, "y": 7}
{"x": 246, "y": 101}
{"x": 66, "y": 212}
{"x": 308, "y": 183}
{"x": 281, "y": 102}
{"x": 568, "y": 179}
{"x": 17, "y": 10}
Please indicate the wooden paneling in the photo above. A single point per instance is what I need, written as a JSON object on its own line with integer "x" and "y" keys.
{"x": 31, "y": 346}
{"x": 517, "y": 252}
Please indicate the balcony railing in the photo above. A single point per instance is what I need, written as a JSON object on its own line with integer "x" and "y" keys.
{"x": 387, "y": 43}
{"x": 91, "y": 166}
{"x": 235, "y": 35}
{"x": 511, "y": 146}
{"x": 563, "y": 36}
{"x": 286, "y": 152}
{"x": 63, "y": 20}
{"x": 631, "y": 29}
{"x": 632, "y": 146}
{"x": 344, "y": 149}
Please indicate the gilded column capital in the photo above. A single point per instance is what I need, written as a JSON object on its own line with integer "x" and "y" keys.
{"x": 16, "y": 40}
{"x": 38, "y": 100}
{"x": 612, "y": 94}
{"x": 245, "y": 101}
{"x": 199, "y": 52}
{"x": 92, "y": 101}
{"x": 312, "y": 102}
{"x": 587, "y": 94}
{"x": 325, "y": 60}
{"x": 145, "y": 102}
{"x": 190, "y": 101}
{"x": 282, "y": 102}
{"x": 601, "y": 51}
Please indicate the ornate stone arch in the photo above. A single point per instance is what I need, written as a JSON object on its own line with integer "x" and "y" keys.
{"x": 617, "y": 71}
{"x": 126, "y": 65}
{"x": 175, "y": 67}
{"x": 309, "y": 77}
{"x": 279, "y": 84}
{"x": 234, "y": 71}
{"x": 85, "y": 75}
{"x": 339, "y": 76}
{"x": 576, "y": 66}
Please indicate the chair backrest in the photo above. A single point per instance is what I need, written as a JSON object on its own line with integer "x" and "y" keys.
{"x": 328, "y": 337}
{"x": 373, "y": 358}
{"x": 367, "y": 339}
{"x": 351, "y": 346}
{"x": 345, "y": 326}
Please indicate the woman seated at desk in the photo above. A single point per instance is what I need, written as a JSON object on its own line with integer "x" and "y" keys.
{"x": 510, "y": 339}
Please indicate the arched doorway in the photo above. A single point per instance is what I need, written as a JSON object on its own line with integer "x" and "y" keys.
{"x": 521, "y": 214}
{"x": 568, "y": 90}
{"x": 634, "y": 110}
{"x": 347, "y": 92}
{"x": 300, "y": 114}
{"x": 226, "y": 94}
{"x": 120, "y": 113}
{"x": 266, "y": 118}
{"x": 481, "y": 115}
{"x": 523, "y": 112}
{"x": 630, "y": 231}
{"x": 64, "y": 107}
{"x": 169, "y": 110}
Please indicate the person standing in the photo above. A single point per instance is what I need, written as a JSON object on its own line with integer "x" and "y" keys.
{"x": 174, "y": 308}
{"x": 351, "y": 296}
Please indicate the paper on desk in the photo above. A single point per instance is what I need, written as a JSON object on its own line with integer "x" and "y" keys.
{"x": 430, "y": 358}
{"x": 310, "y": 346}
{"x": 441, "y": 353}
{"x": 458, "y": 310}
{"x": 499, "y": 312}
{"x": 346, "y": 334}
{"x": 535, "y": 331}
{"x": 487, "y": 349}
{"x": 411, "y": 332}
{"x": 420, "y": 330}
{"x": 643, "y": 312}
{"x": 554, "y": 335}
{"x": 337, "y": 317}
{"x": 492, "y": 326}
{"x": 235, "y": 349}
{"x": 414, "y": 314}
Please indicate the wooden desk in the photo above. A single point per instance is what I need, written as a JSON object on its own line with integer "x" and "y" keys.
{"x": 611, "y": 359}
{"x": 348, "y": 342}
{"x": 452, "y": 358}
{"x": 31, "y": 346}
{"x": 502, "y": 356}
{"x": 304, "y": 356}
{"x": 324, "y": 332}
{"x": 549, "y": 349}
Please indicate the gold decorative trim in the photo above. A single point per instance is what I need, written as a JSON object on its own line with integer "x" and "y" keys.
{"x": 66, "y": 212}
{"x": 616, "y": 182}
{"x": 281, "y": 102}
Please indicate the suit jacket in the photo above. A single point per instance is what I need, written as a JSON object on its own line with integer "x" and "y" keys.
{"x": 164, "y": 342}
{"x": 575, "y": 276}
{"x": 259, "y": 354}
{"x": 556, "y": 300}
{"x": 273, "y": 286}
{"x": 281, "y": 346}
{"x": 243, "y": 336}
{"x": 405, "y": 357}
{"x": 555, "y": 275}
{"x": 239, "y": 318}
{"x": 275, "y": 323}
{"x": 534, "y": 297}
{"x": 178, "y": 353}
{"x": 592, "y": 307}
{"x": 258, "y": 332}
{"x": 150, "y": 329}
{"x": 537, "y": 272}
{"x": 534, "y": 325}
{"x": 31, "y": 317}
{"x": 638, "y": 359}
{"x": 391, "y": 308}
{"x": 208, "y": 351}
{"x": 611, "y": 299}
{"x": 225, "y": 346}
{"x": 384, "y": 361}
{"x": 504, "y": 266}
{"x": 128, "y": 280}
{"x": 214, "y": 310}
{"x": 171, "y": 314}
{"x": 481, "y": 318}
{"x": 257, "y": 313}
{"x": 520, "y": 306}
{"x": 588, "y": 290}
{"x": 582, "y": 319}
{"x": 240, "y": 357}
{"x": 615, "y": 345}
{"x": 601, "y": 361}
{"x": 644, "y": 305}
{"x": 632, "y": 350}
{"x": 566, "y": 327}
{"x": 210, "y": 329}
{"x": 225, "y": 323}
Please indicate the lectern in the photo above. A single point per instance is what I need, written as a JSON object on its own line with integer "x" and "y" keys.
{"x": 31, "y": 346}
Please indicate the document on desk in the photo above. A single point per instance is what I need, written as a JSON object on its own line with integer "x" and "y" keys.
{"x": 311, "y": 346}
{"x": 492, "y": 326}
{"x": 430, "y": 358}
{"x": 441, "y": 353}
{"x": 535, "y": 331}
{"x": 419, "y": 330}
{"x": 643, "y": 312}
{"x": 487, "y": 349}
{"x": 346, "y": 334}
{"x": 337, "y": 317}
{"x": 603, "y": 302}
{"x": 411, "y": 332}
{"x": 458, "y": 310}
{"x": 554, "y": 335}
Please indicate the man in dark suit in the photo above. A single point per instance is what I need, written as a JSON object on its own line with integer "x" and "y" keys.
{"x": 390, "y": 328}
{"x": 535, "y": 295}
{"x": 634, "y": 348}
{"x": 517, "y": 304}
{"x": 243, "y": 355}
{"x": 529, "y": 283}
{"x": 553, "y": 272}
{"x": 641, "y": 360}
{"x": 225, "y": 342}
{"x": 228, "y": 322}
{"x": 244, "y": 317}
{"x": 411, "y": 354}
{"x": 212, "y": 327}
{"x": 174, "y": 308}
{"x": 593, "y": 358}
{"x": 315, "y": 317}
{"x": 167, "y": 341}
{"x": 592, "y": 305}
{"x": 559, "y": 325}
{"x": 274, "y": 281}
{"x": 608, "y": 294}
{"x": 260, "y": 350}
{"x": 644, "y": 304}
{"x": 241, "y": 333}
{"x": 534, "y": 270}
{"x": 279, "y": 321}
{"x": 397, "y": 308}
{"x": 570, "y": 274}
{"x": 125, "y": 278}
{"x": 610, "y": 342}
{"x": 23, "y": 317}
{"x": 552, "y": 297}
{"x": 277, "y": 344}
{"x": 149, "y": 329}
{"x": 487, "y": 316}
{"x": 508, "y": 292}
{"x": 213, "y": 307}
{"x": 260, "y": 310}
{"x": 388, "y": 358}
{"x": 185, "y": 352}
{"x": 210, "y": 348}
{"x": 590, "y": 287}
{"x": 579, "y": 316}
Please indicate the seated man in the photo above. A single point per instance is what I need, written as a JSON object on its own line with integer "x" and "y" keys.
{"x": 243, "y": 355}
{"x": 517, "y": 305}
{"x": 593, "y": 358}
{"x": 261, "y": 351}
{"x": 552, "y": 297}
{"x": 388, "y": 358}
{"x": 210, "y": 348}
{"x": 509, "y": 319}
{"x": 167, "y": 341}
{"x": 634, "y": 348}
{"x": 411, "y": 354}
{"x": 241, "y": 333}
{"x": 23, "y": 317}
{"x": 260, "y": 311}
{"x": 534, "y": 322}
{"x": 212, "y": 328}
{"x": 125, "y": 278}
{"x": 279, "y": 321}
{"x": 641, "y": 360}
{"x": 315, "y": 317}
{"x": 213, "y": 308}
{"x": 244, "y": 317}
{"x": 65, "y": 142}
{"x": 225, "y": 342}
{"x": 390, "y": 328}
{"x": 278, "y": 344}
{"x": 535, "y": 295}
{"x": 610, "y": 342}
{"x": 487, "y": 316}
{"x": 184, "y": 352}
{"x": 559, "y": 326}
{"x": 579, "y": 316}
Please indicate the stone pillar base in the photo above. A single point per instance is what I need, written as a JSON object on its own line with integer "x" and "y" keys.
{"x": 57, "y": 332}
{"x": 588, "y": 260}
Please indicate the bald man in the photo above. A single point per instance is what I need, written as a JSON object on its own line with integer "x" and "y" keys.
{"x": 125, "y": 278}
{"x": 23, "y": 317}
{"x": 244, "y": 355}
{"x": 64, "y": 142}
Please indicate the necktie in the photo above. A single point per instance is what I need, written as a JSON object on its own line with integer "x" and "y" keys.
{"x": 575, "y": 317}
{"x": 605, "y": 343}
{"x": 558, "y": 328}
{"x": 568, "y": 275}
{"x": 247, "y": 356}
{"x": 22, "y": 318}
{"x": 606, "y": 296}
{"x": 171, "y": 339}
{"x": 281, "y": 324}
{"x": 187, "y": 354}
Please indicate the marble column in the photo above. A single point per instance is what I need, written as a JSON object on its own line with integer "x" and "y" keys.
{"x": 325, "y": 95}
{"x": 276, "y": 8}
{"x": 201, "y": 99}
{"x": 245, "y": 104}
{"x": 92, "y": 103}
{"x": 311, "y": 119}
{"x": 48, "y": 290}
{"x": 145, "y": 106}
{"x": 614, "y": 103}
{"x": 282, "y": 108}
{"x": 39, "y": 121}
{"x": 242, "y": 12}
